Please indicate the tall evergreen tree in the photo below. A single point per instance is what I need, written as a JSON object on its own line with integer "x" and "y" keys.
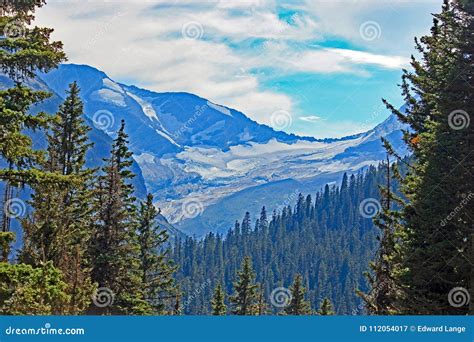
{"x": 325, "y": 308}
{"x": 245, "y": 298}
{"x": 218, "y": 301}
{"x": 384, "y": 291}
{"x": 298, "y": 305}
{"x": 23, "y": 53}
{"x": 246, "y": 226}
{"x": 115, "y": 249}
{"x": 440, "y": 101}
{"x": 156, "y": 270}
{"x": 60, "y": 228}
{"x": 263, "y": 220}
{"x": 261, "y": 304}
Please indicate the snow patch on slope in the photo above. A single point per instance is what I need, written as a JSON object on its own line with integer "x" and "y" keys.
{"x": 108, "y": 83}
{"x": 219, "y": 108}
{"x": 167, "y": 137}
{"x": 146, "y": 106}
{"x": 255, "y": 158}
{"x": 144, "y": 158}
{"x": 109, "y": 96}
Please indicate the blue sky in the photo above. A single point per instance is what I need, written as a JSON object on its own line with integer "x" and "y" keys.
{"x": 310, "y": 67}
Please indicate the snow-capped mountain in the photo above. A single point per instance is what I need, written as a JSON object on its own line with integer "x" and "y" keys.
{"x": 207, "y": 164}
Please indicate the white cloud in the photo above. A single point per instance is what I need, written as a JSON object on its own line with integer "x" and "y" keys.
{"x": 152, "y": 53}
{"x": 360, "y": 57}
{"x": 310, "y": 118}
{"x": 141, "y": 42}
{"x": 399, "y": 21}
{"x": 315, "y": 59}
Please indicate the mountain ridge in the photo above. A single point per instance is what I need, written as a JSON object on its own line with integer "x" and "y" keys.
{"x": 196, "y": 155}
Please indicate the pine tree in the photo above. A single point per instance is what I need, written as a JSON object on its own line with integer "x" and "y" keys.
{"x": 20, "y": 59}
{"x": 325, "y": 308}
{"x": 156, "y": 270}
{"x": 218, "y": 301}
{"x": 246, "y": 226}
{"x": 245, "y": 297}
{"x": 115, "y": 250}
{"x": 177, "y": 309}
{"x": 60, "y": 228}
{"x": 263, "y": 220}
{"x": 261, "y": 305}
{"x": 298, "y": 305}
{"x": 440, "y": 100}
{"x": 383, "y": 280}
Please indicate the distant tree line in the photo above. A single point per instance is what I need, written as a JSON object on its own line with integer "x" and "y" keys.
{"x": 324, "y": 244}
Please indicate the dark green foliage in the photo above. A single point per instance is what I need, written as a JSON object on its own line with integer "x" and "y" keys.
{"x": 245, "y": 298}
{"x": 27, "y": 50}
{"x": 384, "y": 289}
{"x": 261, "y": 305}
{"x": 86, "y": 231}
{"x": 28, "y": 290}
{"x": 59, "y": 230}
{"x": 298, "y": 304}
{"x": 155, "y": 268}
{"x": 218, "y": 301}
{"x": 21, "y": 8}
{"x": 325, "y": 308}
{"x": 115, "y": 250}
{"x": 325, "y": 239}
{"x": 20, "y": 58}
{"x": 68, "y": 142}
{"x": 437, "y": 248}
{"x": 6, "y": 239}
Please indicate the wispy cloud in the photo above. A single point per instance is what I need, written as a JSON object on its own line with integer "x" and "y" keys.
{"x": 289, "y": 58}
{"x": 214, "y": 48}
{"x": 310, "y": 118}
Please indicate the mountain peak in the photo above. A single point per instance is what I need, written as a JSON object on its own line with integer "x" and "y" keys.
{"x": 190, "y": 149}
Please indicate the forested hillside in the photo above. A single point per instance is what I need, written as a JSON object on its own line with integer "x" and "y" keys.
{"x": 328, "y": 237}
